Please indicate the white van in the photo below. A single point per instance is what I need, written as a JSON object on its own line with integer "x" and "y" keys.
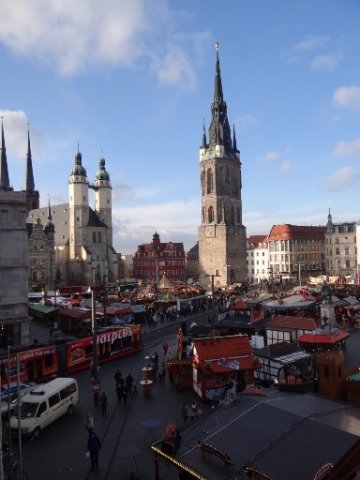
{"x": 44, "y": 404}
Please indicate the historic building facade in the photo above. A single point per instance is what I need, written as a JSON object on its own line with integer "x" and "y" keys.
{"x": 296, "y": 251}
{"x": 341, "y": 249}
{"x": 222, "y": 235}
{"x": 257, "y": 258}
{"x": 83, "y": 241}
{"x": 156, "y": 259}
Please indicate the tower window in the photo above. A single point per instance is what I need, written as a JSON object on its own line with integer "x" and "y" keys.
{"x": 210, "y": 214}
{"x": 84, "y": 198}
{"x": 94, "y": 237}
{"x": 209, "y": 181}
{"x": 99, "y": 237}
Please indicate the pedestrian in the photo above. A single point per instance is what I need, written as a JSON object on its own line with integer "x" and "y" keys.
{"x": 89, "y": 422}
{"x": 194, "y": 407}
{"x": 125, "y": 391}
{"x": 93, "y": 447}
{"x": 103, "y": 403}
{"x": 162, "y": 374}
{"x": 117, "y": 376}
{"x": 165, "y": 347}
{"x": 184, "y": 412}
{"x": 129, "y": 380}
{"x": 119, "y": 391}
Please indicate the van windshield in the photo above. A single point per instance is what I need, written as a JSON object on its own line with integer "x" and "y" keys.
{"x": 27, "y": 410}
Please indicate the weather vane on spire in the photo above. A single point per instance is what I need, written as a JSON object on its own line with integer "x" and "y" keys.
{"x": 217, "y": 46}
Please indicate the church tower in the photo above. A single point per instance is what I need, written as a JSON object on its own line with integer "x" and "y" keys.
{"x": 32, "y": 195}
{"x": 222, "y": 236}
{"x": 103, "y": 206}
{"x": 78, "y": 208}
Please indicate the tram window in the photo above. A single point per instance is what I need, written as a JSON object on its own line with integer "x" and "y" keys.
{"x": 88, "y": 351}
{"x": 48, "y": 360}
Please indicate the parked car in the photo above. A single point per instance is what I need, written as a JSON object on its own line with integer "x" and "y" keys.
{"x": 9, "y": 394}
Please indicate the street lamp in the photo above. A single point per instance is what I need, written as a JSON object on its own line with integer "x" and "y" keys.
{"x": 95, "y": 381}
{"x": 271, "y": 271}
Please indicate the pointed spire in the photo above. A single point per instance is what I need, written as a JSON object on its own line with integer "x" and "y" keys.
{"x": 218, "y": 93}
{"x": 329, "y": 224}
{"x": 234, "y": 139}
{"x": 219, "y": 131}
{"x": 4, "y": 173}
{"x": 203, "y": 143}
{"x": 29, "y": 175}
{"x": 49, "y": 212}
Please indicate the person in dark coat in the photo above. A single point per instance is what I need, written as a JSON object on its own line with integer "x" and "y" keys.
{"x": 94, "y": 446}
{"x": 119, "y": 391}
{"x": 129, "y": 380}
{"x": 103, "y": 404}
{"x": 117, "y": 376}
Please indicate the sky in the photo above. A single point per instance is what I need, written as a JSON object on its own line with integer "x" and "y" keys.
{"x": 133, "y": 81}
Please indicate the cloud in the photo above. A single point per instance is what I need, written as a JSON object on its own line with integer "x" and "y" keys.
{"x": 269, "y": 157}
{"x": 174, "y": 68}
{"x": 347, "y": 97}
{"x": 286, "y": 166}
{"x": 246, "y": 120}
{"x": 71, "y": 36}
{"x": 343, "y": 179}
{"x": 350, "y": 149}
{"x": 175, "y": 221}
{"x": 326, "y": 63}
{"x": 15, "y": 128}
{"x": 311, "y": 42}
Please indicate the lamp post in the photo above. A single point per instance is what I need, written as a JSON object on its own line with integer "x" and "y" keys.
{"x": 95, "y": 381}
{"x": 271, "y": 271}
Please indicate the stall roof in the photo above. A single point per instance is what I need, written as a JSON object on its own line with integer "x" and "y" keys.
{"x": 213, "y": 348}
{"x": 40, "y": 307}
{"x": 296, "y": 323}
{"x": 276, "y": 436}
{"x": 283, "y": 352}
{"x": 326, "y": 338}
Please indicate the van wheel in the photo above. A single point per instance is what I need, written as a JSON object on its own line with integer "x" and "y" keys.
{"x": 36, "y": 433}
{"x": 70, "y": 410}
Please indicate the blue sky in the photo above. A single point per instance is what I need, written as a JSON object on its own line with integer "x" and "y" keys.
{"x": 133, "y": 80}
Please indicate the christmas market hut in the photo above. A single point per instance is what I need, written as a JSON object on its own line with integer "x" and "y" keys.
{"x": 218, "y": 360}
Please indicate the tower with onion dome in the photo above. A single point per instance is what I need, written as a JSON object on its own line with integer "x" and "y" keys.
{"x": 78, "y": 207}
{"x": 103, "y": 200}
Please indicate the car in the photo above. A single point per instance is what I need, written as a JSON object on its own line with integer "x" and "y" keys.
{"x": 9, "y": 394}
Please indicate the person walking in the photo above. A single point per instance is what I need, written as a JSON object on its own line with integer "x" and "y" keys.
{"x": 165, "y": 347}
{"x": 89, "y": 422}
{"x": 103, "y": 403}
{"x": 117, "y": 376}
{"x": 94, "y": 447}
{"x": 125, "y": 391}
{"x": 162, "y": 374}
{"x": 119, "y": 390}
{"x": 129, "y": 380}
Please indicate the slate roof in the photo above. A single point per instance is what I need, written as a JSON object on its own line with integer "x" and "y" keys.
{"x": 287, "y": 437}
{"x": 60, "y": 218}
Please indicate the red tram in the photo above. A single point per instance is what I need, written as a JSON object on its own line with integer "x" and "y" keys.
{"x": 38, "y": 364}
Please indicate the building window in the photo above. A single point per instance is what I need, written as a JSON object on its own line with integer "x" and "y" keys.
{"x": 210, "y": 214}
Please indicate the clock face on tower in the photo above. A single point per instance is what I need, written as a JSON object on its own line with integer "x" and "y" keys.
{"x": 210, "y": 231}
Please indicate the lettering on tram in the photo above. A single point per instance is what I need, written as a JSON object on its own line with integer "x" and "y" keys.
{"x": 41, "y": 363}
